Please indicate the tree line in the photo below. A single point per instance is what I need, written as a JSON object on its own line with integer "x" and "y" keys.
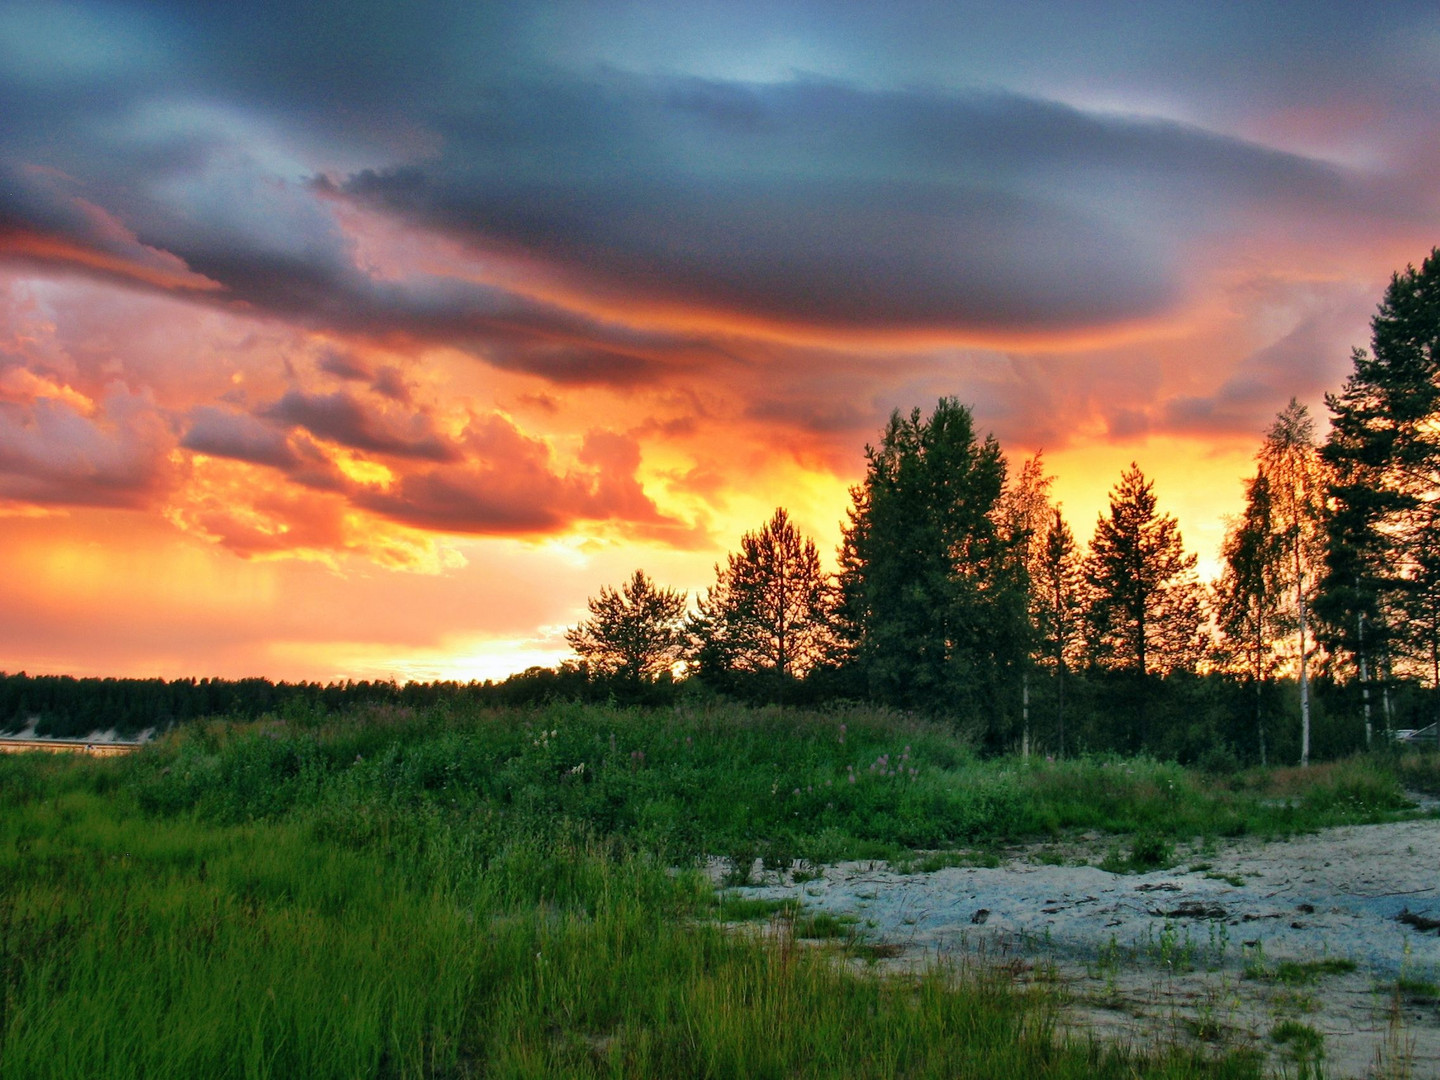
{"x": 63, "y": 706}
{"x": 962, "y": 591}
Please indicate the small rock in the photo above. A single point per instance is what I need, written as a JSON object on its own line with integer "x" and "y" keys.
{"x": 1419, "y": 922}
{"x": 980, "y": 916}
{"x": 1194, "y": 909}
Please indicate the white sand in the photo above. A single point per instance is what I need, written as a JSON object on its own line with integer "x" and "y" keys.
{"x": 1164, "y": 955}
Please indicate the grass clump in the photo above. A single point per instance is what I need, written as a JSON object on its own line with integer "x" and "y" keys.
{"x": 1419, "y": 770}
{"x": 1298, "y": 972}
{"x": 932, "y": 861}
{"x": 1305, "y": 1045}
{"x": 824, "y": 926}
{"x": 1416, "y": 989}
{"x": 732, "y": 908}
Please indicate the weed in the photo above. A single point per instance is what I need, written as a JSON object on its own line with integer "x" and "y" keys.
{"x": 1416, "y": 989}
{"x": 1148, "y": 851}
{"x": 1300, "y": 972}
{"x": 930, "y": 862}
{"x": 1170, "y": 948}
{"x": 731, "y": 908}
{"x": 1236, "y": 880}
{"x": 824, "y": 926}
{"x": 1303, "y": 1041}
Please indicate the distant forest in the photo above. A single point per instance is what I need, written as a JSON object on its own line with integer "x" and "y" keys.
{"x": 962, "y": 593}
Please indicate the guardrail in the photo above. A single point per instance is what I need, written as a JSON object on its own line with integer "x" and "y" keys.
{"x": 68, "y": 746}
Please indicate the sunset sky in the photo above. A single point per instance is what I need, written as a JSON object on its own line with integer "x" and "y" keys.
{"x": 370, "y": 339}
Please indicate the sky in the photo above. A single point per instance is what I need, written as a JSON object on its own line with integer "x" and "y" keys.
{"x": 369, "y": 340}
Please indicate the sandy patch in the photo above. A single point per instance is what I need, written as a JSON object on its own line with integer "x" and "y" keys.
{"x": 1238, "y": 943}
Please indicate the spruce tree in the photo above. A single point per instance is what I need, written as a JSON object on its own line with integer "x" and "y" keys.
{"x": 1057, "y": 588}
{"x": 1145, "y": 605}
{"x": 1384, "y": 453}
{"x": 933, "y": 595}
{"x": 770, "y": 609}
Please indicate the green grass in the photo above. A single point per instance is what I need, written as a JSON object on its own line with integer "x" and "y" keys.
{"x": 931, "y": 861}
{"x": 824, "y": 926}
{"x": 507, "y": 894}
{"x": 732, "y": 908}
{"x": 1419, "y": 769}
{"x": 754, "y": 784}
{"x": 1416, "y": 989}
{"x": 1237, "y": 880}
{"x": 1300, "y": 972}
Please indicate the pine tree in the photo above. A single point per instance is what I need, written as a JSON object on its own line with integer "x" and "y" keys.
{"x": 1145, "y": 604}
{"x": 633, "y": 633}
{"x": 1250, "y": 594}
{"x": 1384, "y": 453}
{"x": 1057, "y": 588}
{"x": 770, "y": 609}
{"x": 932, "y": 598}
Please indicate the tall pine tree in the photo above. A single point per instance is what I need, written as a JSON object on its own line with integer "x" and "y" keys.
{"x": 769, "y": 610}
{"x": 1145, "y": 603}
{"x": 1384, "y": 454}
{"x": 933, "y": 594}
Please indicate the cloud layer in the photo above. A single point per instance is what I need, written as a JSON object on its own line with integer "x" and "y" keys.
{"x": 352, "y": 286}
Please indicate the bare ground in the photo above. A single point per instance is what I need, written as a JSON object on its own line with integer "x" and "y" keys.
{"x": 1337, "y": 932}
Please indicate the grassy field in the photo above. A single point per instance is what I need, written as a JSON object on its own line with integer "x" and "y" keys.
{"x": 507, "y": 894}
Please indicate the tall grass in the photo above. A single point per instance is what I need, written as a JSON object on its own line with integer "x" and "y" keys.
{"x": 397, "y": 895}
{"x": 767, "y": 783}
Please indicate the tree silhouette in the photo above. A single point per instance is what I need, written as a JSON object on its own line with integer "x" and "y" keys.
{"x": 1057, "y": 591}
{"x": 1250, "y": 594}
{"x": 770, "y": 609}
{"x": 634, "y": 633}
{"x": 1144, "y": 607}
{"x": 931, "y": 594}
{"x": 1384, "y": 453}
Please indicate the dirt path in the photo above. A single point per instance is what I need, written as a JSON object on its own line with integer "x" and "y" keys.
{"x": 1234, "y": 946}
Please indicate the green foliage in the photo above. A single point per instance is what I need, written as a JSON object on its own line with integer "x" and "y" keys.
{"x": 633, "y": 632}
{"x": 933, "y": 592}
{"x": 770, "y": 610}
{"x": 1419, "y": 770}
{"x": 401, "y": 895}
{"x": 1145, "y": 604}
{"x": 1382, "y": 580}
{"x": 1303, "y": 1041}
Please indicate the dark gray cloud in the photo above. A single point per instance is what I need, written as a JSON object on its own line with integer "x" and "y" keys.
{"x": 688, "y": 160}
{"x": 831, "y": 202}
{"x": 344, "y": 367}
{"x": 238, "y": 436}
{"x": 345, "y": 420}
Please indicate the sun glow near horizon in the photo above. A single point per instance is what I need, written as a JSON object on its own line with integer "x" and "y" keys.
{"x": 385, "y": 377}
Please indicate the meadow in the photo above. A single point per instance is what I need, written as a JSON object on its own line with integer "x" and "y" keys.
{"x": 455, "y": 893}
